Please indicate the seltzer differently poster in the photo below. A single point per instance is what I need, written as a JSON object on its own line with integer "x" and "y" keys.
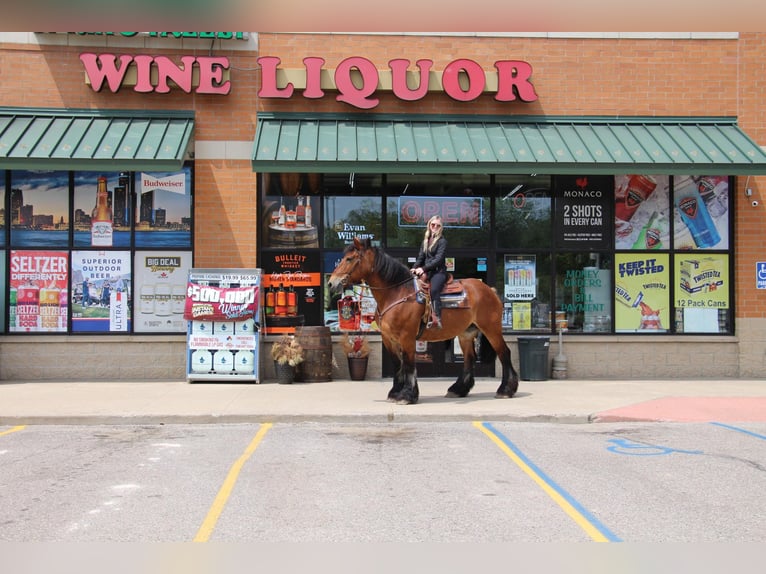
{"x": 38, "y": 291}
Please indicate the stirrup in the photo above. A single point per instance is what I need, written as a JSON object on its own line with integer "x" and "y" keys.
{"x": 434, "y": 323}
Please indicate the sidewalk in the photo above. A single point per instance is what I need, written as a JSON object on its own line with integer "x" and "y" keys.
{"x": 563, "y": 400}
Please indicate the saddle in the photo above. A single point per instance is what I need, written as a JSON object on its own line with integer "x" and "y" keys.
{"x": 452, "y": 295}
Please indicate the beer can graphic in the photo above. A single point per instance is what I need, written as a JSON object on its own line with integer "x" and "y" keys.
{"x": 49, "y": 308}
{"x": 28, "y": 307}
{"x": 63, "y": 309}
{"x": 178, "y": 299}
{"x": 12, "y": 302}
{"x": 146, "y": 299}
{"x": 162, "y": 300}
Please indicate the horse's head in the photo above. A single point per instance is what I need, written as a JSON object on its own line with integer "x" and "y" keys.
{"x": 354, "y": 266}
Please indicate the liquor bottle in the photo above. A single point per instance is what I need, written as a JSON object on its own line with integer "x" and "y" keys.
{"x": 269, "y": 301}
{"x": 282, "y": 215}
{"x": 638, "y": 190}
{"x": 308, "y": 212}
{"x": 300, "y": 213}
{"x": 651, "y": 234}
{"x": 281, "y": 301}
{"x": 101, "y": 217}
{"x": 292, "y": 301}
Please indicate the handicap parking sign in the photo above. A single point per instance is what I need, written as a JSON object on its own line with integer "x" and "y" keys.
{"x": 760, "y": 275}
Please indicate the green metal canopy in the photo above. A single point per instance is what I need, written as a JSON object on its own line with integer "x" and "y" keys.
{"x": 332, "y": 143}
{"x": 115, "y": 140}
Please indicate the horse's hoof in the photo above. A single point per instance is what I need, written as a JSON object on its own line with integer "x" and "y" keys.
{"x": 451, "y": 395}
{"x": 499, "y": 396}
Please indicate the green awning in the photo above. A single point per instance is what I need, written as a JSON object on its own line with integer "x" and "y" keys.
{"x": 114, "y": 140}
{"x": 509, "y": 145}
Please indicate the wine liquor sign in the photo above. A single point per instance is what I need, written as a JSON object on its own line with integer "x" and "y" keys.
{"x": 356, "y": 80}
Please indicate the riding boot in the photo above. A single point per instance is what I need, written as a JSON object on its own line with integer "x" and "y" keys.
{"x": 437, "y": 304}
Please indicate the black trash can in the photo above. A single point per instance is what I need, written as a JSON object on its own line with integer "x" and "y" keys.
{"x": 534, "y": 364}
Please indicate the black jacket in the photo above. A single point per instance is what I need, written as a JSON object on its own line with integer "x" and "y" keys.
{"x": 434, "y": 260}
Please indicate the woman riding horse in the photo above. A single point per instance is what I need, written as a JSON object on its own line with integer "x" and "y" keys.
{"x": 400, "y": 313}
{"x": 432, "y": 260}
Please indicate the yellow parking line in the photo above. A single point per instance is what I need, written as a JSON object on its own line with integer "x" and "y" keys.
{"x": 597, "y": 531}
{"x": 204, "y": 532}
{"x": 14, "y": 429}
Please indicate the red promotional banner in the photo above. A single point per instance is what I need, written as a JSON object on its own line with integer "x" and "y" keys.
{"x": 207, "y": 303}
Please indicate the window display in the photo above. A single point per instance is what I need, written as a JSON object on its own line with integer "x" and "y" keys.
{"x": 101, "y": 291}
{"x": 642, "y": 293}
{"x": 163, "y": 209}
{"x": 702, "y": 293}
{"x": 160, "y": 290}
{"x": 39, "y": 204}
{"x": 641, "y": 212}
{"x": 584, "y": 291}
{"x": 562, "y": 249}
{"x": 101, "y": 225}
{"x": 38, "y": 291}
{"x": 101, "y": 209}
{"x": 523, "y": 212}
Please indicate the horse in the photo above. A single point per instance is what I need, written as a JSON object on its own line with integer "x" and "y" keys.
{"x": 401, "y": 315}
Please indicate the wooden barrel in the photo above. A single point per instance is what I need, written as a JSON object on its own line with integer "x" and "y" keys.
{"x": 317, "y": 354}
{"x": 298, "y": 237}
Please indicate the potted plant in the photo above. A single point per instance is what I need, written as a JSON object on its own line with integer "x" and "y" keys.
{"x": 287, "y": 353}
{"x": 357, "y": 350}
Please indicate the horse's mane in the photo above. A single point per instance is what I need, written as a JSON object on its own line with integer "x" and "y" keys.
{"x": 390, "y": 270}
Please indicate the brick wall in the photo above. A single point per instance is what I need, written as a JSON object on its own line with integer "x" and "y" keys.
{"x": 572, "y": 76}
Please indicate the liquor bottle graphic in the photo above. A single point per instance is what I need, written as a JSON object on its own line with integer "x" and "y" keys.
{"x": 101, "y": 217}
{"x": 651, "y": 234}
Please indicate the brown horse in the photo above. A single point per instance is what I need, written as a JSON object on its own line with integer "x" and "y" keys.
{"x": 401, "y": 312}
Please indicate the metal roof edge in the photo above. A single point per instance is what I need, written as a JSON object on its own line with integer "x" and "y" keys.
{"x": 96, "y": 112}
{"x": 472, "y": 118}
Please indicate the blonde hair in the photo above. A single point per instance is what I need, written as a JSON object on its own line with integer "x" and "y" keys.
{"x": 430, "y": 237}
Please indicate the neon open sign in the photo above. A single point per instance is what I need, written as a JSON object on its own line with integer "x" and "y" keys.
{"x": 463, "y": 212}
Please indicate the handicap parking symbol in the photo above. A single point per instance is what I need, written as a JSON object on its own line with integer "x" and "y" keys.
{"x": 760, "y": 275}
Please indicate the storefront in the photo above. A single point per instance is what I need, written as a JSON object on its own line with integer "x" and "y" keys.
{"x": 627, "y": 214}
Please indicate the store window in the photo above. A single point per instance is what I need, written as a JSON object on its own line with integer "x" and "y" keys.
{"x": 78, "y": 255}
{"x": 462, "y": 201}
{"x": 584, "y": 292}
{"x": 39, "y": 203}
{"x": 526, "y": 291}
{"x": 523, "y": 212}
{"x": 633, "y": 253}
{"x": 101, "y": 209}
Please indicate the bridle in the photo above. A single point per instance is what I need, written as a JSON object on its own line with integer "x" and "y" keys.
{"x": 378, "y": 312}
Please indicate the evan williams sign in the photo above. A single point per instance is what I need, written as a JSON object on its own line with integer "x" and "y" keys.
{"x": 357, "y": 79}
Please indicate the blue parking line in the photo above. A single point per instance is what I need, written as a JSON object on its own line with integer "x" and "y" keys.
{"x": 744, "y": 431}
{"x": 595, "y": 529}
